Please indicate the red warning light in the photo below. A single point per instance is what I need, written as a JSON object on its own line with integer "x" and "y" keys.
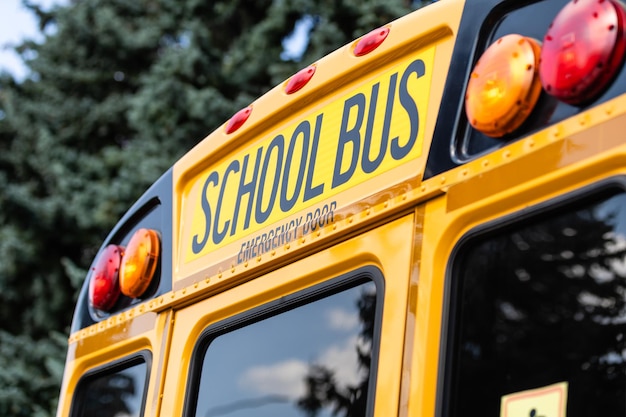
{"x": 583, "y": 50}
{"x": 103, "y": 285}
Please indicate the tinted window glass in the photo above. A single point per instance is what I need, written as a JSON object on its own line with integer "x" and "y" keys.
{"x": 542, "y": 303}
{"x": 311, "y": 360}
{"x": 116, "y": 392}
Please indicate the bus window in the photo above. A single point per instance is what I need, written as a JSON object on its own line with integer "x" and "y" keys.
{"x": 259, "y": 367}
{"x": 117, "y": 391}
{"x": 541, "y": 304}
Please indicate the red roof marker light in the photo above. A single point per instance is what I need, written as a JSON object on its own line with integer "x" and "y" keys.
{"x": 300, "y": 79}
{"x": 371, "y": 41}
{"x": 238, "y": 119}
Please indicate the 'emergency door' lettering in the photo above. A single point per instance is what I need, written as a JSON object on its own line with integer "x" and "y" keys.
{"x": 372, "y": 130}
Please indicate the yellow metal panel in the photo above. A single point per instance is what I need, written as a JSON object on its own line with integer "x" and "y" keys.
{"x": 387, "y": 248}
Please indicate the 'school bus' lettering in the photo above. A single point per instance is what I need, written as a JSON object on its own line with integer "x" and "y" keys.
{"x": 434, "y": 225}
{"x": 372, "y": 130}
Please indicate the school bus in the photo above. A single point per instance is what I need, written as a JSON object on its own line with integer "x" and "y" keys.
{"x": 429, "y": 221}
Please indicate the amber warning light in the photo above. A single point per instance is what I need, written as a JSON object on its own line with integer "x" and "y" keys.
{"x": 504, "y": 85}
{"x": 139, "y": 263}
{"x": 128, "y": 271}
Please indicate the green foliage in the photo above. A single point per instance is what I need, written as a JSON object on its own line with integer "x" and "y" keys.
{"x": 117, "y": 92}
{"x": 30, "y": 373}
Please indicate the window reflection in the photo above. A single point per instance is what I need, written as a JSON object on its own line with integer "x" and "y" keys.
{"x": 112, "y": 393}
{"x": 312, "y": 360}
{"x": 542, "y": 303}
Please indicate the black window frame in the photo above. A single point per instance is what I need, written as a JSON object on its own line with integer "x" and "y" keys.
{"x": 289, "y": 302}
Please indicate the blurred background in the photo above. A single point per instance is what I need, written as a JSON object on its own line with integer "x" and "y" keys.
{"x": 98, "y": 98}
{"x": 16, "y": 24}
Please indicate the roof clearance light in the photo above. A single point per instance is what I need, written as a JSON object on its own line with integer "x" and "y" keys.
{"x": 371, "y": 41}
{"x": 300, "y": 79}
{"x": 103, "y": 285}
{"x": 238, "y": 119}
{"x": 140, "y": 262}
{"x": 583, "y": 50}
{"x": 504, "y": 85}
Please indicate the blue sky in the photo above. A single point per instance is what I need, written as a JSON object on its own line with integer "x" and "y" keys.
{"x": 16, "y": 24}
